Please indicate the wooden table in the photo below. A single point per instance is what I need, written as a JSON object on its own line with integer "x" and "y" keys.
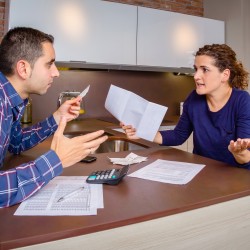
{"x": 138, "y": 212}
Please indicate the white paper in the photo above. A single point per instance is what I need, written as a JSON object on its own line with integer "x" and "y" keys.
{"x": 129, "y": 159}
{"x": 45, "y": 201}
{"x": 173, "y": 172}
{"x": 132, "y": 109}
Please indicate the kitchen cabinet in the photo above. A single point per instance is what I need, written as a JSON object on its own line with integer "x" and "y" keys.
{"x": 168, "y": 39}
{"x": 99, "y": 34}
{"x": 84, "y": 31}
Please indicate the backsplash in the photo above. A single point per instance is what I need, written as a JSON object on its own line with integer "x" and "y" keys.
{"x": 163, "y": 88}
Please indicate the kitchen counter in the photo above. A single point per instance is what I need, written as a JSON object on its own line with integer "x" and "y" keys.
{"x": 213, "y": 208}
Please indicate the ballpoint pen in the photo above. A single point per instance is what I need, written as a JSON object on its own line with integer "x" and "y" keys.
{"x": 67, "y": 196}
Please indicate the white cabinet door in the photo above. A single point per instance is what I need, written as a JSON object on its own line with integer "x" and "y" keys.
{"x": 169, "y": 39}
{"x": 84, "y": 30}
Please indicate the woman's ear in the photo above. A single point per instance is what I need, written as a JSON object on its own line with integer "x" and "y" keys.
{"x": 23, "y": 69}
{"x": 226, "y": 75}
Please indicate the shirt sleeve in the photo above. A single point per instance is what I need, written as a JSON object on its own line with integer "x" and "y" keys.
{"x": 243, "y": 122}
{"x": 182, "y": 130}
{"x": 25, "y": 180}
{"x": 25, "y": 138}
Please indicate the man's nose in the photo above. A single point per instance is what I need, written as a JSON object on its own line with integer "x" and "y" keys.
{"x": 55, "y": 72}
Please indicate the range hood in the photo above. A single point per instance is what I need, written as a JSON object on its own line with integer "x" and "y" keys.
{"x": 82, "y": 65}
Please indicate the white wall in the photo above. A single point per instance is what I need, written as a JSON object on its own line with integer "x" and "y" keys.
{"x": 235, "y": 13}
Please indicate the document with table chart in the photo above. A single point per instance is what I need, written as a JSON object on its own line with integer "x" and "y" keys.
{"x": 48, "y": 201}
{"x": 173, "y": 172}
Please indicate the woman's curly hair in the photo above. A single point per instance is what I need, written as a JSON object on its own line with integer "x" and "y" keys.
{"x": 225, "y": 58}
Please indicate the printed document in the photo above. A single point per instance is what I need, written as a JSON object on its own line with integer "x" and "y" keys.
{"x": 46, "y": 201}
{"x": 173, "y": 172}
{"x": 134, "y": 110}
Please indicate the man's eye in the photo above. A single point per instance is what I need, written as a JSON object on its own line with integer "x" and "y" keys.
{"x": 49, "y": 65}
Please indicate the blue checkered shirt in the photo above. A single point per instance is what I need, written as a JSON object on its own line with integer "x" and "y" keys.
{"x": 19, "y": 183}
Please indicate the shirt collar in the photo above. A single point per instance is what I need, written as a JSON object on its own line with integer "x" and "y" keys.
{"x": 13, "y": 97}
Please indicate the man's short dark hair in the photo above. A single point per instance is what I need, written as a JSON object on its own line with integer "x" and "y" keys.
{"x": 21, "y": 43}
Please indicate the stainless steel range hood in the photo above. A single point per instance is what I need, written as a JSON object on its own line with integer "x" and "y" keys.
{"x": 82, "y": 65}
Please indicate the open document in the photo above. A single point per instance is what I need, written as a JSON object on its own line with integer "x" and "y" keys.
{"x": 173, "y": 172}
{"x": 64, "y": 195}
{"x": 132, "y": 109}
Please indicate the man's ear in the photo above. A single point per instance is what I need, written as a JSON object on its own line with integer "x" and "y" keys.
{"x": 23, "y": 69}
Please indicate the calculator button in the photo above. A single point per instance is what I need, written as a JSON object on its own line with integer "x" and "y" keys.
{"x": 92, "y": 177}
{"x": 102, "y": 176}
{"x": 98, "y": 177}
{"x": 111, "y": 173}
{"x": 106, "y": 176}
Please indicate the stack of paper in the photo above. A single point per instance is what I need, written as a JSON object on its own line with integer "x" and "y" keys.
{"x": 128, "y": 160}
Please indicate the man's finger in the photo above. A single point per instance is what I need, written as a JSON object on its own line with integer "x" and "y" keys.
{"x": 61, "y": 126}
{"x": 91, "y": 136}
{"x": 74, "y": 100}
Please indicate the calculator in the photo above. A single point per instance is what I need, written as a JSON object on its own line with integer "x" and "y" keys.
{"x": 109, "y": 176}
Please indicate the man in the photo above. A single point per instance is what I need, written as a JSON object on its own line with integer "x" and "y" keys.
{"x": 27, "y": 66}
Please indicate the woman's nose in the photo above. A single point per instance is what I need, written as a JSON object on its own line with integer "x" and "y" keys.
{"x": 196, "y": 75}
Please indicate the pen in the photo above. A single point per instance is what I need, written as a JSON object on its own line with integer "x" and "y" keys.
{"x": 70, "y": 194}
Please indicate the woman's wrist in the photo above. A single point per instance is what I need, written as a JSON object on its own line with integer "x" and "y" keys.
{"x": 242, "y": 157}
{"x": 158, "y": 138}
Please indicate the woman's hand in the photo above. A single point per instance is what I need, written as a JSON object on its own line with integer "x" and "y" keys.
{"x": 240, "y": 151}
{"x": 69, "y": 109}
{"x": 129, "y": 131}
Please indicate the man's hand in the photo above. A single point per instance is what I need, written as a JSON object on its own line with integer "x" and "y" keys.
{"x": 71, "y": 151}
{"x": 69, "y": 109}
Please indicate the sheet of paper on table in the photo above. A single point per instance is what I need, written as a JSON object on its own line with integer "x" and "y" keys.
{"x": 134, "y": 110}
{"x": 173, "y": 172}
{"x": 45, "y": 202}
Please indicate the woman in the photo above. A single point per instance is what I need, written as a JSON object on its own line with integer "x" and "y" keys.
{"x": 217, "y": 112}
